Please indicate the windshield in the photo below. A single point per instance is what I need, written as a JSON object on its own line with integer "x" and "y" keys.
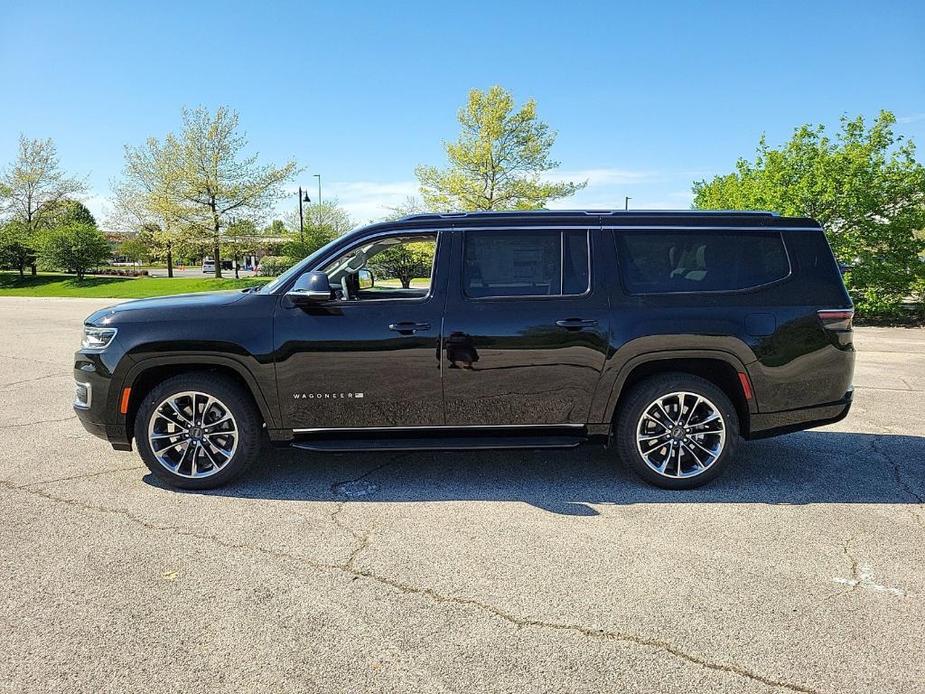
{"x": 296, "y": 269}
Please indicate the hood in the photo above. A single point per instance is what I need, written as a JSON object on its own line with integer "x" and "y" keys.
{"x": 163, "y": 307}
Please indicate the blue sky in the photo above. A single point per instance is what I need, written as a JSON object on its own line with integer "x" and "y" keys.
{"x": 646, "y": 97}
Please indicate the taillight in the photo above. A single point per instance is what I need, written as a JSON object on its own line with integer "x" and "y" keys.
{"x": 836, "y": 319}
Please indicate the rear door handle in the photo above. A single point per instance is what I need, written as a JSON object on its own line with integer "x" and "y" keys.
{"x": 576, "y": 323}
{"x": 408, "y": 328}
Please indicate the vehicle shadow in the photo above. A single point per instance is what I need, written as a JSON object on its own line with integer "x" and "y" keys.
{"x": 805, "y": 468}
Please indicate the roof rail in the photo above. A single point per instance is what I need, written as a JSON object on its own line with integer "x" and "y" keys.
{"x": 513, "y": 213}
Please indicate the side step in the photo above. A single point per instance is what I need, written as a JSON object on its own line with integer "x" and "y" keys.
{"x": 447, "y": 443}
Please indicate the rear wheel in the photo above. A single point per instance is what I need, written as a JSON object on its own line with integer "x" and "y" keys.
{"x": 197, "y": 430}
{"x": 677, "y": 431}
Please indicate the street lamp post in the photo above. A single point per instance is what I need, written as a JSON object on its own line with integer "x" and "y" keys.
{"x": 626, "y": 202}
{"x": 301, "y": 218}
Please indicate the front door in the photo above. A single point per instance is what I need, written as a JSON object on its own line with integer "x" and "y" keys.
{"x": 526, "y": 328}
{"x": 370, "y": 356}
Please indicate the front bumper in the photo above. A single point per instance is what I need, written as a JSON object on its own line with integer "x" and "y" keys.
{"x": 93, "y": 404}
{"x": 766, "y": 424}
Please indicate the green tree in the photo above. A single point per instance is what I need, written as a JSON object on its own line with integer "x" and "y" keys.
{"x": 146, "y": 201}
{"x": 404, "y": 261}
{"x": 135, "y": 249}
{"x": 16, "y": 247}
{"x": 498, "y": 160}
{"x": 70, "y": 211}
{"x": 322, "y": 224}
{"x": 33, "y": 188}
{"x": 214, "y": 179}
{"x": 240, "y": 239}
{"x": 74, "y": 248}
{"x": 864, "y": 185}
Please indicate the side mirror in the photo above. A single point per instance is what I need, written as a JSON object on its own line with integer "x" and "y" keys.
{"x": 310, "y": 288}
{"x": 365, "y": 279}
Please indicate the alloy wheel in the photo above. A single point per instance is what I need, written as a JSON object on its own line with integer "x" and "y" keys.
{"x": 192, "y": 434}
{"x": 681, "y": 435}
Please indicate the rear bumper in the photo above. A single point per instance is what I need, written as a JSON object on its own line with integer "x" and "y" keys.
{"x": 765, "y": 424}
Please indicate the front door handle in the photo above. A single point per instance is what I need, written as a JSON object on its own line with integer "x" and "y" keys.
{"x": 576, "y": 323}
{"x": 408, "y": 328}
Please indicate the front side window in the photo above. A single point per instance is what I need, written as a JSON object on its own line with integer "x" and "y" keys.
{"x": 700, "y": 261}
{"x": 392, "y": 267}
{"x": 525, "y": 263}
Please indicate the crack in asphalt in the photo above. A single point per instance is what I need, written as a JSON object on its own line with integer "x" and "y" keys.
{"x": 429, "y": 593}
{"x": 38, "y": 421}
{"x": 862, "y": 576}
{"x": 34, "y": 361}
{"x": 78, "y": 477}
{"x": 900, "y": 481}
{"x": 7, "y": 386}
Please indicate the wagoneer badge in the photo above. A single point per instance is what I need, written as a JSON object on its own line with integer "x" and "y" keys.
{"x": 326, "y": 396}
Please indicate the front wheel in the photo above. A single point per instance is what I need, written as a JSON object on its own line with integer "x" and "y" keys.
{"x": 197, "y": 430}
{"x": 677, "y": 431}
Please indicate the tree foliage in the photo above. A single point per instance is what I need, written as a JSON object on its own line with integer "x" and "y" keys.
{"x": 135, "y": 249}
{"x": 199, "y": 179}
{"x": 33, "y": 189}
{"x": 404, "y": 261}
{"x": 864, "y": 185}
{"x": 498, "y": 160}
{"x": 146, "y": 201}
{"x": 322, "y": 224}
{"x": 74, "y": 248}
{"x": 16, "y": 247}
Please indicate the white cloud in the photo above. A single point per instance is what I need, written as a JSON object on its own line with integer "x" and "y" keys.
{"x": 369, "y": 200}
{"x": 911, "y": 118}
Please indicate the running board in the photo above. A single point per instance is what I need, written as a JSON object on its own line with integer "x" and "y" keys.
{"x": 448, "y": 443}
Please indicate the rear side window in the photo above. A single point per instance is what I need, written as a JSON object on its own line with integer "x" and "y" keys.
{"x": 525, "y": 263}
{"x": 695, "y": 261}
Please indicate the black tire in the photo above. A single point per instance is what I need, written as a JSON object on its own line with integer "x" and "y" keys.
{"x": 639, "y": 400}
{"x": 232, "y": 397}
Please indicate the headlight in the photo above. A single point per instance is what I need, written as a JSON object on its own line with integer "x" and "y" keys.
{"x": 97, "y": 338}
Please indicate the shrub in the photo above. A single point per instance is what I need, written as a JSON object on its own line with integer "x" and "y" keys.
{"x": 273, "y": 265}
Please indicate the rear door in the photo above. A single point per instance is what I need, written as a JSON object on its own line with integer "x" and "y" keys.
{"x": 526, "y": 327}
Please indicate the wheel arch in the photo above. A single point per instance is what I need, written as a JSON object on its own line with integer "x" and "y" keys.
{"x": 146, "y": 374}
{"x": 720, "y": 368}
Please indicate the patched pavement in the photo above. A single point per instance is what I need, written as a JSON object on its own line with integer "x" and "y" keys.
{"x": 799, "y": 570}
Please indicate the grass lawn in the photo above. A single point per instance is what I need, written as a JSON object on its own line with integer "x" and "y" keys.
{"x": 416, "y": 283}
{"x": 49, "y": 284}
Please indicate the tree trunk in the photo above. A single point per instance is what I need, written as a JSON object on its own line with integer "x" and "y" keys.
{"x": 22, "y": 271}
{"x": 169, "y": 261}
{"x": 217, "y": 250}
{"x": 216, "y": 253}
{"x": 33, "y": 269}
{"x": 405, "y": 282}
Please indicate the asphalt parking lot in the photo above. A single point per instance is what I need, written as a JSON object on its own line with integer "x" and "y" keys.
{"x": 803, "y": 569}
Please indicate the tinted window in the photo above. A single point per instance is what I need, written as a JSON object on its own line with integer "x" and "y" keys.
{"x": 527, "y": 263}
{"x": 694, "y": 261}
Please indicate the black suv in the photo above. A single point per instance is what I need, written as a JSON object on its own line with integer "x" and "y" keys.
{"x": 670, "y": 335}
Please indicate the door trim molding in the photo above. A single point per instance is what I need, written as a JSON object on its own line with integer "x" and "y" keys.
{"x": 426, "y": 427}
